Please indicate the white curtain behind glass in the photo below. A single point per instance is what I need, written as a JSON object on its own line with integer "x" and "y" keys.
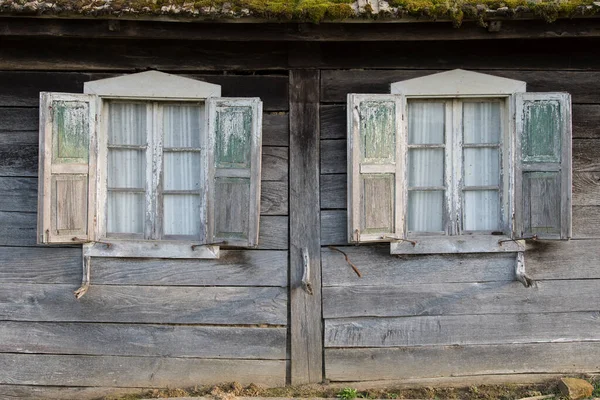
{"x": 127, "y": 142}
{"x": 182, "y": 126}
{"x": 481, "y": 166}
{"x": 426, "y": 131}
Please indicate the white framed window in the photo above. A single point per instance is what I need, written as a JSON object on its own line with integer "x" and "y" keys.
{"x": 150, "y": 165}
{"x": 458, "y": 162}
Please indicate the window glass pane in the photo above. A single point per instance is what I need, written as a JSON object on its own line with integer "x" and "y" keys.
{"x": 127, "y": 124}
{"x": 182, "y": 125}
{"x": 181, "y": 214}
{"x": 426, "y": 167}
{"x": 481, "y": 167}
{"x": 125, "y": 212}
{"x": 426, "y": 122}
{"x": 482, "y": 210}
{"x": 425, "y": 213}
{"x": 181, "y": 170}
{"x": 481, "y": 122}
{"x": 126, "y": 168}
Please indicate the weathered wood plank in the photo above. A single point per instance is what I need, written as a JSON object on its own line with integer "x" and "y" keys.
{"x": 273, "y": 233}
{"x": 378, "y": 267}
{"x": 585, "y": 121}
{"x": 18, "y": 159}
{"x": 335, "y": 84}
{"x": 144, "y": 304}
{"x": 333, "y": 157}
{"x": 586, "y": 188}
{"x": 143, "y": 340}
{"x": 586, "y": 220}
{"x": 63, "y": 393}
{"x": 21, "y": 89}
{"x": 306, "y": 328}
{"x": 586, "y": 155}
{"x": 334, "y": 227}
{"x": 18, "y": 119}
{"x": 17, "y": 229}
{"x": 70, "y": 370}
{"x": 18, "y": 194}
{"x": 575, "y": 259}
{"x": 40, "y": 265}
{"x": 274, "y": 198}
{"x": 275, "y": 164}
{"x": 416, "y": 362}
{"x": 449, "y": 330}
{"x": 334, "y": 191}
{"x": 333, "y": 121}
{"x": 276, "y": 129}
{"x": 233, "y": 268}
{"x": 459, "y": 298}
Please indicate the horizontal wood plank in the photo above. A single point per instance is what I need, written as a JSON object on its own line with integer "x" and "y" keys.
{"x": 586, "y": 189}
{"x": 233, "y": 268}
{"x": 553, "y": 259}
{"x": 144, "y": 304}
{"x": 334, "y": 191}
{"x": 18, "y": 194}
{"x": 143, "y": 340}
{"x": 586, "y": 155}
{"x": 334, "y": 227}
{"x": 18, "y": 119}
{"x": 40, "y": 265}
{"x": 36, "y": 392}
{"x": 333, "y": 157}
{"x": 460, "y": 298}
{"x": 276, "y": 129}
{"x": 586, "y": 220}
{"x": 275, "y": 161}
{"x": 378, "y": 267}
{"x": 333, "y": 121}
{"x": 70, "y": 370}
{"x": 584, "y": 86}
{"x": 274, "y": 198}
{"x": 19, "y": 159}
{"x": 463, "y": 330}
{"x": 21, "y": 88}
{"x": 416, "y": 362}
{"x": 273, "y": 233}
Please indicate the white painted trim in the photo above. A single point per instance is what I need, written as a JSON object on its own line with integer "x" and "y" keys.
{"x": 152, "y": 85}
{"x": 458, "y": 83}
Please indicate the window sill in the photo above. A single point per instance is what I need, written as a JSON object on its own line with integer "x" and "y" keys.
{"x": 458, "y": 245}
{"x": 150, "y": 249}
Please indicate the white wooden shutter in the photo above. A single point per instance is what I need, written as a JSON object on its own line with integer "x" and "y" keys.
{"x": 543, "y": 179}
{"x": 234, "y": 162}
{"x": 375, "y": 167}
{"x": 66, "y": 167}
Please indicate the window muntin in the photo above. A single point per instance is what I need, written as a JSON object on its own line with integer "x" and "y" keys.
{"x": 454, "y": 166}
{"x": 154, "y": 168}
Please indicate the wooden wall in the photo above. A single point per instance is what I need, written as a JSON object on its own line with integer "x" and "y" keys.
{"x": 463, "y": 315}
{"x": 143, "y": 323}
{"x": 177, "y": 323}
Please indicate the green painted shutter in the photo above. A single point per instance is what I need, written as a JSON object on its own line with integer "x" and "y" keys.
{"x": 375, "y": 167}
{"x": 234, "y": 161}
{"x": 543, "y": 179}
{"x": 66, "y": 167}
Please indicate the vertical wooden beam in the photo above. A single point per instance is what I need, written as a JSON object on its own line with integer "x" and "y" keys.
{"x": 306, "y": 327}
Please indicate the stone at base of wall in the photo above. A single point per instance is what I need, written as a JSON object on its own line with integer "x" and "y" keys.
{"x": 575, "y": 388}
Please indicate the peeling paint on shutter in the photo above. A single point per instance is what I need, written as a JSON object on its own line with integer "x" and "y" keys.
{"x": 234, "y": 162}
{"x": 375, "y": 167}
{"x": 66, "y": 167}
{"x": 543, "y": 179}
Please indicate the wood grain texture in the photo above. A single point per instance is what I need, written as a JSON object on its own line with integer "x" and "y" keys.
{"x": 273, "y": 233}
{"x": 334, "y": 191}
{"x": 143, "y": 340}
{"x": 14, "y": 120}
{"x": 40, "y": 265}
{"x": 586, "y": 189}
{"x": 233, "y": 268}
{"x": 18, "y": 194}
{"x": 333, "y": 157}
{"x": 275, "y": 161}
{"x": 274, "y": 198}
{"x": 36, "y": 392}
{"x": 18, "y": 159}
{"x": 575, "y": 259}
{"x": 21, "y": 89}
{"x": 586, "y": 220}
{"x": 70, "y": 370}
{"x": 276, "y": 129}
{"x": 509, "y": 297}
{"x": 333, "y": 121}
{"x": 585, "y": 121}
{"x": 335, "y": 84}
{"x": 450, "y": 330}
{"x": 306, "y": 329}
{"x": 334, "y": 227}
{"x": 585, "y": 155}
{"x": 379, "y": 268}
{"x": 143, "y": 304}
{"x": 406, "y": 363}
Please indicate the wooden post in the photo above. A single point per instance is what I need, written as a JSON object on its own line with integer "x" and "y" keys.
{"x": 306, "y": 327}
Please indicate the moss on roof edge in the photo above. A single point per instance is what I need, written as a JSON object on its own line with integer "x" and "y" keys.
{"x": 306, "y": 10}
